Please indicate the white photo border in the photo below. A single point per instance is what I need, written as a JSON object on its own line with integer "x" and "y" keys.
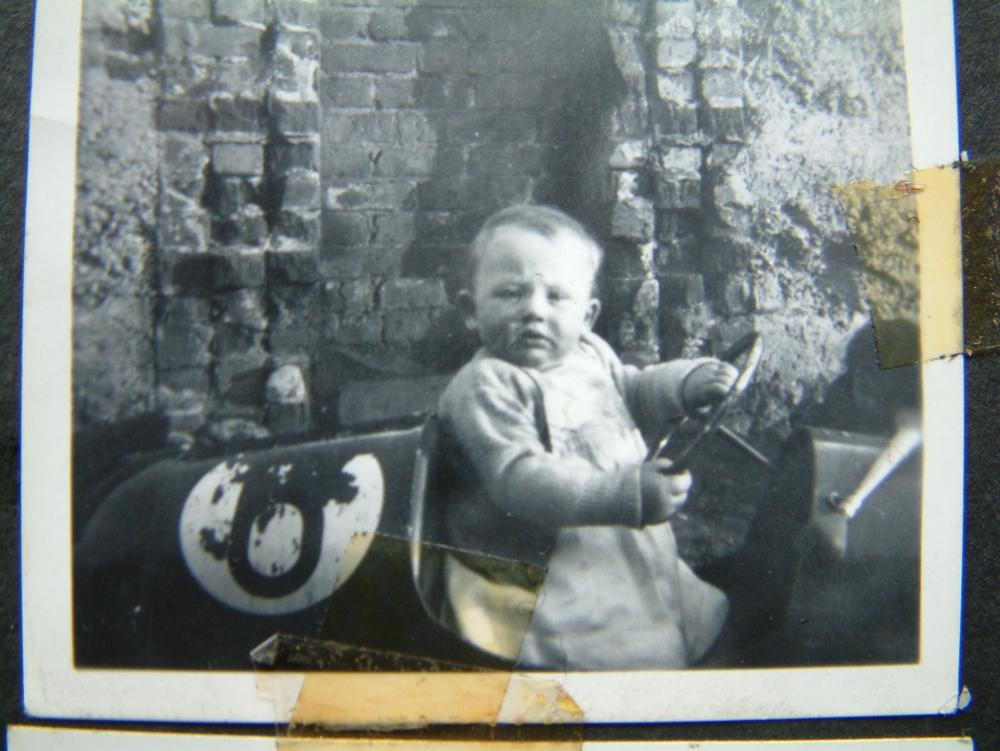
{"x": 53, "y": 687}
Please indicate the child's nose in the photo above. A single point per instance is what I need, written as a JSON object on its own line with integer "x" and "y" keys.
{"x": 536, "y": 303}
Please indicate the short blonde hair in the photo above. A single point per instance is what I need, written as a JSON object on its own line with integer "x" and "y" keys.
{"x": 545, "y": 220}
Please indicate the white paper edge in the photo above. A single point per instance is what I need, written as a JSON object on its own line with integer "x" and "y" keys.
{"x": 22, "y": 738}
{"x": 53, "y": 688}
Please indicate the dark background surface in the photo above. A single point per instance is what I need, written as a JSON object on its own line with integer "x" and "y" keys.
{"x": 978, "y": 26}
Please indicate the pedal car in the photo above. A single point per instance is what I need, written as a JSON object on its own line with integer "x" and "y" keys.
{"x": 195, "y": 562}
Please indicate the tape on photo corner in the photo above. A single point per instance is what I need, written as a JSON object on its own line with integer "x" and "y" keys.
{"x": 908, "y": 240}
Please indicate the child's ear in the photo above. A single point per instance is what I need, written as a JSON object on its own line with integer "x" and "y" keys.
{"x": 467, "y": 309}
{"x": 593, "y": 310}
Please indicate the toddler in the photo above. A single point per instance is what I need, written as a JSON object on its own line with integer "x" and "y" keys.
{"x": 564, "y": 557}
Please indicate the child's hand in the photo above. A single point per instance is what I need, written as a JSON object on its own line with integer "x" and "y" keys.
{"x": 664, "y": 490}
{"x": 707, "y": 384}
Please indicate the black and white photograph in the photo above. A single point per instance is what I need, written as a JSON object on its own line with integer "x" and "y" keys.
{"x": 588, "y": 344}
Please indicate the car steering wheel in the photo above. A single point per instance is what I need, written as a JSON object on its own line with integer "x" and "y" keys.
{"x": 678, "y": 443}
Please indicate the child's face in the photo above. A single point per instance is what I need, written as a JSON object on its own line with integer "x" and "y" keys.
{"x": 531, "y": 296}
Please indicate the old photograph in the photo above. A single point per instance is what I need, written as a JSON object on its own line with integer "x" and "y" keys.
{"x": 582, "y": 341}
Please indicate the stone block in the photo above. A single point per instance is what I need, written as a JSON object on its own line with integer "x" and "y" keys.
{"x": 344, "y": 23}
{"x": 675, "y": 53}
{"x": 283, "y": 155}
{"x": 732, "y": 293}
{"x": 395, "y": 228}
{"x": 629, "y": 12}
{"x": 244, "y": 308}
{"x": 385, "y": 57}
{"x": 628, "y": 155}
{"x": 726, "y": 253}
{"x": 301, "y": 189}
{"x": 298, "y": 316}
{"x": 394, "y": 93}
{"x": 231, "y": 339}
{"x": 183, "y": 230}
{"x": 675, "y": 20}
{"x": 292, "y": 74}
{"x": 678, "y": 179}
{"x": 721, "y": 84}
{"x": 227, "y": 195}
{"x": 677, "y": 123}
{"x": 348, "y": 91}
{"x": 409, "y": 160}
{"x": 676, "y": 88}
{"x": 245, "y": 227}
{"x": 235, "y": 113}
{"x": 371, "y": 194}
{"x": 287, "y": 410}
{"x": 412, "y": 293}
{"x": 238, "y": 158}
{"x": 291, "y": 115}
{"x": 292, "y": 267}
{"x": 448, "y": 227}
{"x": 426, "y": 23}
{"x": 386, "y": 24}
{"x": 183, "y": 160}
{"x": 358, "y": 295}
{"x": 414, "y": 128}
{"x": 346, "y": 227}
{"x": 239, "y": 11}
{"x": 719, "y": 25}
{"x": 632, "y": 215}
{"x": 724, "y": 119}
{"x": 237, "y": 271}
{"x": 679, "y": 290}
{"x": 186, "y": 40}
{"x": 184, "y": 334}
{"x": 341, "y": 127}
{"x": 187, "y": 114}
{"x": 241, "y": 376}
{"x": 185, "y": 274}
{"x": 302, "y": 225}
{"x": 300, "y": 13}
{"x": 364, "y": 329}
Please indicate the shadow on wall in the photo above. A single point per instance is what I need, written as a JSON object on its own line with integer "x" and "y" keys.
{"x": 519, "y": 101}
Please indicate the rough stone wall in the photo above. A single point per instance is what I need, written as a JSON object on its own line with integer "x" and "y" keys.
{"x": 301, "y": 178}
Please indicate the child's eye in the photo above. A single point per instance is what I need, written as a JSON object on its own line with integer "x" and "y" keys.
{"x": 509, "y": 293}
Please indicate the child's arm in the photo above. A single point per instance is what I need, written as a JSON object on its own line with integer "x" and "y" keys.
{"x": 490, "y": 409}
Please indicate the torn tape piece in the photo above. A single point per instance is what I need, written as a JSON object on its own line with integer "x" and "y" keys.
{"x": 980, "y": 184}
{"x": 884, "y": 225}
{"x": 939, "y": 213}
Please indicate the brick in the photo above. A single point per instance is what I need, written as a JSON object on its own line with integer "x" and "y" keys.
{"x": 302, "y": 225}
{"x": 676, "y": 53}
{"x": 373, "y": 194}
{"x": 719, "y": 26}
{"x": 725, "y": 253}
{"x": 237, "y": 75}
{"x": 675, "y": 20}
{"x": 724, "y": 118}
{"x": 681, "y": 290}
{"x": 406, "y": 326}
{"x": 449, "y": 193}
{"x": 387, "y": 24}
{"x": 343, "y": 91}
{"x": 299, "y": 315}
{"x": 283, "y": 155}
{"x": 370, "y": 127}
{"x": 184, "y": 40}
{"x": 414, "y": 127}
{"x": 721, "y": 84}
{"x": 509, "y": 92}
{"x": 444, "y": 56}
{"x": 245, "y": 227}
{"x": 412, "y": 293}
{"x": 446, "y": 228}
{"x": 184, "y": 274}
{"x": 358, "y": 329}
{"x": 413, "y": 160}
{"x": 344, "y": 23}
{"x": 394, "y": 93}
{"x": 393, "y": 57}
{"x": 721, "y": 57}
{"x": 733, "y": 293}
{"x": 396, "y": 228}
{"x": 292, "y": 267}
{"x": 630, "y": 119}
{"x": 238, "y": 11}
{"x": 238, "y": 158}
{"x": 244, "y": 308}
{"x": 186, "y": 230}
{"x": 292, "y": 74}
{"x": 302, "y": 44}
{"x": 626, "y": 11}
{"x": 183, "y": 334}
{"x": 628, "y": 155}
{"x": 301, "y": 189}
{"x": 346, "y": 227}
{"x": 677, "y": 121}
{"x": 192, "y": 379}
{"x": 226, "y": 195}
{"x": 632, "y": 215}
{"x": 425, "y": 23}
{"x": 195, "y": 10}
{"x": 358, "y": 295}
{"x": 230, "y": 339}
{"x": 338, "y": 261}
{"x": 435, "y": 259}
{"x": 505, "y": 159}
{"x": 184, "y": 114}
{"x": 241, "y": 376}
{"x": 292, "y": 116}
{"x": 769, "y": 297}
{"x": 305, "y": 13}
{"x": 490, "y": 127}
{"x": 235, "y": 113}
{"x": 349, "y": 160}
{"x": 676, "y": 88}
{"x": 444, "y": 91}
{"x": 237, "y": 271}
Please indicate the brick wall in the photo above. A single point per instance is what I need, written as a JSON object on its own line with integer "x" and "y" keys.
{"x": 318, "y": 169}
